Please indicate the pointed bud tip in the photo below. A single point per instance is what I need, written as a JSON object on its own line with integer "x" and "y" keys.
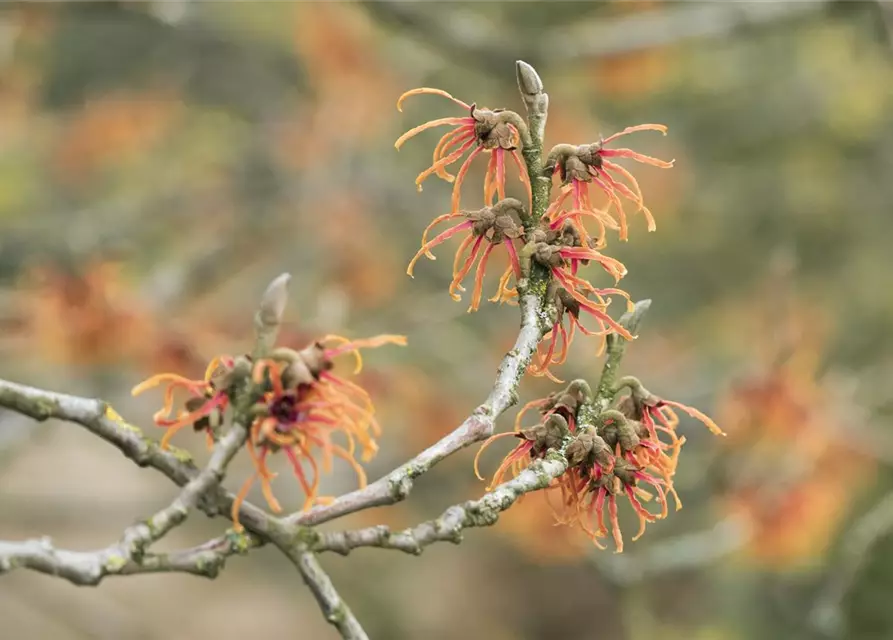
{"x": 528, "y": 79}
{"x": 272, "y": 304}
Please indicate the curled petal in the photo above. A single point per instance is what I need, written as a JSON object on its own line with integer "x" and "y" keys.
{"x": 429, "y": 91}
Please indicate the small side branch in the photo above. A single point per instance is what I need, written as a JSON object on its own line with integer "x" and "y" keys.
{"x": 333, "y": 607}
{"x": 482, "y": 512}
{"x": 98, "y": 418}
{"x": 89, "y": 568}
{"x": 631, "y": 320}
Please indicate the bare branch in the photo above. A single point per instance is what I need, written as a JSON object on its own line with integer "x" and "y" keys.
{"x": 631, "y": 320}
{"x": 89, "y": 568}
{"x": 482, "y": 512}
{"x": 395, "y": 486}
{"x": 211, "y": 476}
{"x": 335, "y": 610}
{"x": 98, "y": 418}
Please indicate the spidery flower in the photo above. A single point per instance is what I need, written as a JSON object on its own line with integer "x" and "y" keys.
{"x": 581, "y": 165}
{"x": 305, "y": 411}
{"x": 560, "y": 250}
{"x": 496, "y": 132}
{"x": 616, "y": 455}
{"x": 203, "y": 410}
{"x": 484, "y": 230}
{"x": 559, "y": 337}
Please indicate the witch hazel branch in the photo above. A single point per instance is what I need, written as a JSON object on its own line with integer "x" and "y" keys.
{"x": 588, "y": 447}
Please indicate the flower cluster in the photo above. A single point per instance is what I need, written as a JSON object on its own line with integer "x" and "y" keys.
{"x": 299, "y": 406}
{"x": 615, "y": 453}
{"x": 559, "y": 241}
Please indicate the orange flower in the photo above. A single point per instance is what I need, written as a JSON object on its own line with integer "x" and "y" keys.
{"x": 578, "y": 166}
{"x": 303, "y": 407}
{"x": 496, "y": 132}
{"x": 617, "y": 453}
{"x": 560, "y": 249}
{"x": 497, "y": 225}
{"x": 205, "y": 406}
{"x": 569, "y": 306}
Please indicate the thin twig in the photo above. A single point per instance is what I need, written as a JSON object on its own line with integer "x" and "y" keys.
{"x": 97, "y": 417}
{"x": 335, "y": 610}
{"x": 89, "y": 568}
{"x": 482, "y": 512}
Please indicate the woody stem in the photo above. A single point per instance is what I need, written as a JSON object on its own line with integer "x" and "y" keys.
{"x": 537, "y": 102}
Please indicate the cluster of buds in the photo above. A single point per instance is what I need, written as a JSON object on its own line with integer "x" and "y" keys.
{"x": 613, "y": 453}
{"x": 298, "y": 407}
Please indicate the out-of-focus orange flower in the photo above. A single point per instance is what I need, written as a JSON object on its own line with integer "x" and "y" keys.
{"x": 110, "y": 127}
{"x": 636, "y": 73}
{"x": 350, "y": 81}
{"x": 303, "y": 405}
{"x": 492, "y": 131}
{"x": 85, "y": 316}
{"x": 794, "y": 474}
{"x": 362, "y": 257}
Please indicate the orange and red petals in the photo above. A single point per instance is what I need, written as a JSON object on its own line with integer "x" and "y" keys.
{"x": 541, "y": 368}
{"x": 481, "y": 130}
{"x": 444, "y": 162}
{"x": 522, "y": 175}
{"x": 429, "y": 91}
{"x": 354, "y": 346}
{"x": 214, "y": 400}
{"x": 479, "y": 279}
{"x": 596, "y": 310}
{"x": 184, "y": 419}
{"x": 439, "y": 239}
{"x": 459, "y": 276}
{"x": 662, "y": 411}
{"x": 583, "y": 164}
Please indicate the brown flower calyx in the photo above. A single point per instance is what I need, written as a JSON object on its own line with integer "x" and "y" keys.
{"x": 503, "y": 219}
{"x": 302, "y": 367}
{"x": 573, "y": 161}
{"x": 589, "y": 448}
{"x": 568, "y": 401}
{"x": 547, "y": 435}
{"x": 617, "y": 431}
{"x": 497, "y": 128}
{"x": 547, "y": 244}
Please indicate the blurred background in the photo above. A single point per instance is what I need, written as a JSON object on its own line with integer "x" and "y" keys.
{"x": 160, "y": 162}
